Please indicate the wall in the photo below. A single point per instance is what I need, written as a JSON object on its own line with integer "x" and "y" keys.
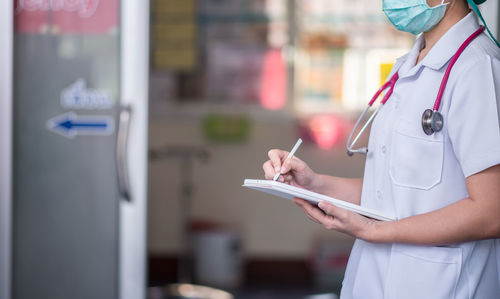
{"x": 270, "y": 227}
{"x": 490, "y": 11}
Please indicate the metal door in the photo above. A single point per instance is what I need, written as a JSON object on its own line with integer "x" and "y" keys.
{"x": 77, "y": 219}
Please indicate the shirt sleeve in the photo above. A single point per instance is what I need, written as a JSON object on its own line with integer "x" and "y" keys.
{"x": 473, "y": 117}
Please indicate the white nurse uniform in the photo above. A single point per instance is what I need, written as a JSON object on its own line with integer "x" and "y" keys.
{"x": 409, "y": 173}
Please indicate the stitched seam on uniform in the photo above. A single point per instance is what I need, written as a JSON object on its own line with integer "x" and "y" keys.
{"x": 478, "y": 50}
{"x": 417, "y": 137}
{"x": 459, "y": 272}
{"x": 467, "y": 272}
{"x": 398, "y": 182}
{"x": 426, "y": 259}
{"x": 461, "y": 77}
{"x": 457, "y": 78}
{"x": 472, "y": 166}
{"x": 471, "y": 62}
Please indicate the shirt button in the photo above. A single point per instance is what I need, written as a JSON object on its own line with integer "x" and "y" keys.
{"x": 379, "y": 194}
{"x": 384, "y": 149}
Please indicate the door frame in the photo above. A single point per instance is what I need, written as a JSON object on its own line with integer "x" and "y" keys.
{"x": 134, "y": 92}
{"x": 6, "y": 73}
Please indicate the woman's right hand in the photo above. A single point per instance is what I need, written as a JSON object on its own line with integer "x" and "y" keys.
{"x": 293, "y": 171}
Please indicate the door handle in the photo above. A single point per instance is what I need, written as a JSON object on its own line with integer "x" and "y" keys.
{"x": 121, "y": 152}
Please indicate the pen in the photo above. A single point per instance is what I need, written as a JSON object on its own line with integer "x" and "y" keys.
{"x": 292, "y": 152}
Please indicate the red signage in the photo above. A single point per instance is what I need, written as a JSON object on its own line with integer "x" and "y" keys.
{"x": 66, "y": 16}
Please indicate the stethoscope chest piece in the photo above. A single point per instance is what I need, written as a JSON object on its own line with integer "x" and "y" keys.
{"x": 432, "y": 121}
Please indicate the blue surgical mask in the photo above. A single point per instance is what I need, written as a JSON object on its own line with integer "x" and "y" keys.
{"x": 414, "y": 16}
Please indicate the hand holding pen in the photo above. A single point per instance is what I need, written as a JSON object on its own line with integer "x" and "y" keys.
{"x": 290, "y": 155}
{"x": 284, "y": 167}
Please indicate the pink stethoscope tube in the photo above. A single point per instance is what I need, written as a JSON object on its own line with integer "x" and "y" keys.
{"x": 460, "y": 50}
{"x": 390, "y": 85}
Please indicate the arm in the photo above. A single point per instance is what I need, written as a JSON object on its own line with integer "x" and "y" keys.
{"x": 473, "y": 218}
{"x": 341, "y": 188}
{"x": 297, "y": 173}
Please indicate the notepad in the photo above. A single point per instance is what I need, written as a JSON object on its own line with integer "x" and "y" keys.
{"x": 289, "y": 192}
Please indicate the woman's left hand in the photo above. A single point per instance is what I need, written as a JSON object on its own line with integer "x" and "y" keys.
{"x": 332, "y": 217}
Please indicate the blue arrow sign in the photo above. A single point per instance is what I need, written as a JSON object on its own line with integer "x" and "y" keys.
{"x": 71, "y": 125}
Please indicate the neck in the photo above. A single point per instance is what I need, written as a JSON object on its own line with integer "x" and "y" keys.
{"x": 455, "y": 11}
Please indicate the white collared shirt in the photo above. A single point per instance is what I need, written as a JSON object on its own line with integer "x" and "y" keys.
{"x": 409, "y": 173}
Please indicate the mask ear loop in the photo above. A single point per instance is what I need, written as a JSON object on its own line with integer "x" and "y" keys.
{"x": 441, "y": 4}
{"x": 478, "y": 12}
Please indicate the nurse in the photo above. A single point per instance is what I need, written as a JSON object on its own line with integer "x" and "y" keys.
{"x": 442, "y": 185}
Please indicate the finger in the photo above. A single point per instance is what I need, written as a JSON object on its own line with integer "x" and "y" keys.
{"x": 311, "y": 217}
{"x": 276, "y": 157}
{"x": 268, "y": 170}
{"x": 315, "y": 212}
{"x": 332, "y": 210}
{"x": 293, "y": 163}
{"x": 338, "y": 216}
{"x": 298, "y": 202}
{"x": 286, "y": 166}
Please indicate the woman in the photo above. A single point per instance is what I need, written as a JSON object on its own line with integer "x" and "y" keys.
{"x": 444, "y": 188}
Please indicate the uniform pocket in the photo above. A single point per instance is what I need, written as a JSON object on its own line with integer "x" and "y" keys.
{"x": 423, "y": 272}
{"x": 416, "y": 161}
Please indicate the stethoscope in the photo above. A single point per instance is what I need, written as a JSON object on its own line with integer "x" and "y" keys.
{"x": 432, "y": 120}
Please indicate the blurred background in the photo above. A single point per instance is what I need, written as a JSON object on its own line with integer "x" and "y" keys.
{"x": 128, "y": 127}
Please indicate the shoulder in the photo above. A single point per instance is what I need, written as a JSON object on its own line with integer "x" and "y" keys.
{"x": 476, "y": 75}
{"x": 484, "y": 46}
{"x": 481, "y": 53}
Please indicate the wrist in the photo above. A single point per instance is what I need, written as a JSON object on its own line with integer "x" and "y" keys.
{"x": 380, "y": 231}
{"x": 317, "y": 183}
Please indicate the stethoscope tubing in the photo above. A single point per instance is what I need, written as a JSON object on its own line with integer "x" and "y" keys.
{"x": 446, "y": 76}
{"x": 360, "y": 133}
{"x": 392, "y": 82}
{"x": 389, "y": 84}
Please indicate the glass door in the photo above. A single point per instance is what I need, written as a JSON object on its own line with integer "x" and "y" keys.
{"x": 78, "y": 220}
{"x": 66, "y": 96}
